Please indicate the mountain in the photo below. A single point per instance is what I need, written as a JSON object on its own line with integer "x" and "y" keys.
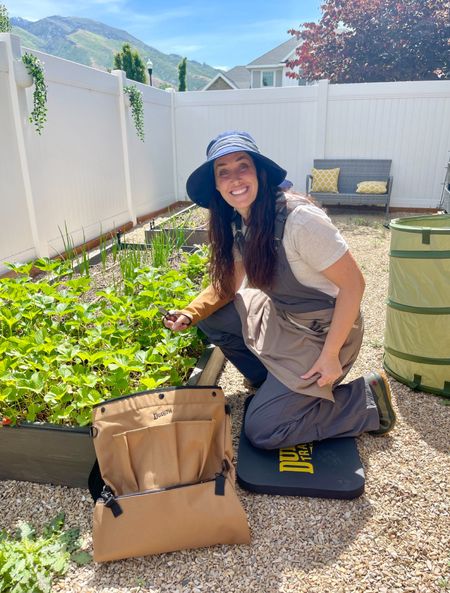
{"x": 94, "y": 44}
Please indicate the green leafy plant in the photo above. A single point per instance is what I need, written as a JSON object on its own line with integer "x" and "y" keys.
{"x": 62, "y": 352}
{"x": 30, "y": 562}
{"x": 38, "y": 116}
{"x": 131, "y": 261}
{"x": 182, "y": 70}
{"x": 194, "y": 264}
{"x": 103, "y": 247}
{"x": 69, "y": 246}
{"x": 137, "y": 109}
{"x": 164, "y": 244}
{"x": 131, "y": 63}
{"x": 84, "y": 264}
{"x": 5, "y": 25}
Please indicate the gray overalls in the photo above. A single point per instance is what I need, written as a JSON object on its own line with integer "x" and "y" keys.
{"x": 274, "y": 337}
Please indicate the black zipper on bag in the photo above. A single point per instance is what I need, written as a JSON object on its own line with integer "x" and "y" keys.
{"x": 111, "y": 501}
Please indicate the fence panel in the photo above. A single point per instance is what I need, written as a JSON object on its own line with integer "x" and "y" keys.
{"x": 151, "y": 162}
{"x": 16, "y": 242}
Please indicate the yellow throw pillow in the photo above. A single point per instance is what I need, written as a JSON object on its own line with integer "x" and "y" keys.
{"x": 371, "y": 187}
{"x": 325, "y": 180}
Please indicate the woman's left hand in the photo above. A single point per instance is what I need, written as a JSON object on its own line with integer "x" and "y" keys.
{"x": 328, "y": 367}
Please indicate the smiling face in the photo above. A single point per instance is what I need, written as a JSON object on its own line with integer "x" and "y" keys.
{"x": 236, "y": 181}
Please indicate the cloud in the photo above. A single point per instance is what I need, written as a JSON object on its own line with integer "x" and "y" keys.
{"x": 33, "y": 11}
{"x": 186, "y": 49}
{"x": 176, "y": 45}
{"x": 155, "y": 18}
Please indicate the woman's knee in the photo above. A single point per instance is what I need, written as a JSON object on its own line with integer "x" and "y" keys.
{"x": 277, "y": 430}
{"x": 260, "y": 434}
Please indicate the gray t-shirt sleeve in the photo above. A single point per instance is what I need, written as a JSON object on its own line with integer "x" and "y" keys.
{"x": 311, "y": 234}
{"x": 312, "y": 244}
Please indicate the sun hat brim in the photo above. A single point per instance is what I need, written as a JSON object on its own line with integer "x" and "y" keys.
{"x": 201, "y": 183}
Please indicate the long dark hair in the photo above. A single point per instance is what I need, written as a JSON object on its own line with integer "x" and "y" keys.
{"x": 259, "y": 256}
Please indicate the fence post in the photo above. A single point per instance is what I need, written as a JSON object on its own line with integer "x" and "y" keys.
{"x": 321, "y": 119}
{"x": 19, "y": 79}
{"x": 121, "y": 81}
{"x": 174, "y": 143}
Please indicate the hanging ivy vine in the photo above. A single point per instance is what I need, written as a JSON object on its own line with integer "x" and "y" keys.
{"x": 38, "y": 116}
{"x": 137, "y": 109}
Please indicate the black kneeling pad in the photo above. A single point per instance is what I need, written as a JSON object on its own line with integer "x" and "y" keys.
{"x": 324, "y": 469}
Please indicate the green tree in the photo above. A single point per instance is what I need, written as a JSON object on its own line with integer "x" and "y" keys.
{"x": 182, "y": 66}
{"x": 131, "y": 63}
{"x": 5, "y": 25}
{"x": 375, "y": 41}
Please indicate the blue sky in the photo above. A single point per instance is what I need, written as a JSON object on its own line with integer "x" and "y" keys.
{"x": 222, "y": 34}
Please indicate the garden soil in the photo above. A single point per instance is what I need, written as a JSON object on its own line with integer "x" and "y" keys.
{"x": 393, "y": 539}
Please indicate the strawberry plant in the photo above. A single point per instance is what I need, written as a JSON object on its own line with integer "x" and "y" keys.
{"x": 61, "y": 353}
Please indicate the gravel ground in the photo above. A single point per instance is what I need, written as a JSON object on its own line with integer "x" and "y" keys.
{"x": 393, "y": 539}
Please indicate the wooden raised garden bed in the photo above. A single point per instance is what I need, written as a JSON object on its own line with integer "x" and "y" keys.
{"x": 188, "y": 226}
{"x": 64, "y": 455}
{"x": 106, "y": 349}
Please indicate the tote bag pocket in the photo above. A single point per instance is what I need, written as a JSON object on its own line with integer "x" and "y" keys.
{"x": 162, "y": 455}
{"x": 163, "y": 521}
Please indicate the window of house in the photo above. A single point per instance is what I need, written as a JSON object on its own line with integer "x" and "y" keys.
{"x": 268, "y": 78}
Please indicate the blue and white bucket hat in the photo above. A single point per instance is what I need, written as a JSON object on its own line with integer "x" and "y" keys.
{"x": 201, "y": 184}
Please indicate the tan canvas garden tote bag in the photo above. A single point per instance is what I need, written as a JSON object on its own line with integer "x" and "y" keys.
{"x": 167, "y": 462}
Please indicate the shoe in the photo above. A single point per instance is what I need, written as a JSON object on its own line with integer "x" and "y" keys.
{"x": 381, "y": 391}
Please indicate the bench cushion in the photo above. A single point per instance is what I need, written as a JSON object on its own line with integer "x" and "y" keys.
{"x": 325, "y": 180}
{"x": 371, "y": 187}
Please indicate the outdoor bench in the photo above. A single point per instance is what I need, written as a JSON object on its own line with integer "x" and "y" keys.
{"x": 352, "y": 172}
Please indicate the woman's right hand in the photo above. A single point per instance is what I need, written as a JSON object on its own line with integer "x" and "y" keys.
{"x": 176, "y": 321}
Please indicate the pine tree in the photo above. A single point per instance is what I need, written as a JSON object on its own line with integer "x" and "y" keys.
{"x": 182, "y": 66}
{"x": 5, "y": 25}
{"x": 131, "y": 63}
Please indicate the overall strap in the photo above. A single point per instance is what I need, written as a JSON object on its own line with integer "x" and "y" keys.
{"x": 236, "y": 225}
{"x": 282, "y": 212}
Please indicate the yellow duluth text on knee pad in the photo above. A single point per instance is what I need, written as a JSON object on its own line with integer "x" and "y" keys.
{"x": 296, "y": 459}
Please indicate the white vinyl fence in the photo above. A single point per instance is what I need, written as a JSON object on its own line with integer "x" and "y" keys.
{"x": 408, "y": 122}
{"x": 89, "y": 171}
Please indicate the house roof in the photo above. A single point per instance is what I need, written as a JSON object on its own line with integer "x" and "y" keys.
{"x": 221, "y": 75}
{"x": 238, "y": 78}
{"x": 277, "y": 55}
